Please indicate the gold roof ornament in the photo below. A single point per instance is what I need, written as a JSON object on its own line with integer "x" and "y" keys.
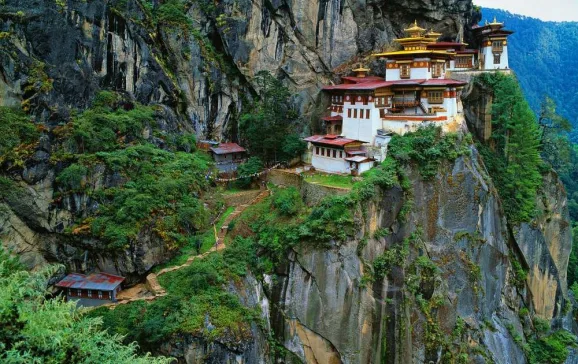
{"x": 433, "y": 35}
{"x": 360, "y": 68}
{"x": 361, "y": 71}
{"x": 414, "y": 28}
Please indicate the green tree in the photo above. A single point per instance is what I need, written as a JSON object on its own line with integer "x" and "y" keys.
{"x": 267, "y": 129}
{"x": 513, "y": 158}
{"x": 35, "y": 329}
{"x": 252, "y": 166}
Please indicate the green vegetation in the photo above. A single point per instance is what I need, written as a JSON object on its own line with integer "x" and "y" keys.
{"x": 514, "y": 159}
{"x": 330, "y": 180}
{"x": 156, "y": 189}
{"x": 533, "y": 50}
{"x": 551, "y": 349}
{"x": 197, "y": 303}
{"x": 288, "y": 201}
{"x": 268, "y": 127}
{"x": 34, "y": 329}
{"x": 252, "y": 166}
{"x": 19, "y": 136}
{"x": 427, "y": 148}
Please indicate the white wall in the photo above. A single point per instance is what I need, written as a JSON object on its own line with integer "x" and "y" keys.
{"x": 489, "y": 59}
{"x": 392, "y": 74}
{"x": 420, "y": 73}
{"x": 364, "y": 167}
{"x": 361, "y": 128}
{"x": 327, "y": 164}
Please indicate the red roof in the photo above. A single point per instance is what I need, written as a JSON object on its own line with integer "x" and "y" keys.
{"x": 443, "y": 82}
{"x": 332, "y": 118}
{"x": 376, "y": 85}
{"x": 228, "y": 148}
{"x": 95, "y": 281}
{"x": 331, "y": 140}
{"x": 371, "y": 85}
{"x": 362, "y": 79}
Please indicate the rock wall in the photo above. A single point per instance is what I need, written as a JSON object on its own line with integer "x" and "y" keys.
{"x": 201, "y": 74}
{"x": 327, "y": 310}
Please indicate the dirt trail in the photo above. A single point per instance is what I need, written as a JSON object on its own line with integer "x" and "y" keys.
{"x": 152, "y": 289}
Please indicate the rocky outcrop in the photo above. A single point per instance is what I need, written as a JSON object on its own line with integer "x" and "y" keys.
{"x": 199, "y": 72}
{"x": 328, "y": 309}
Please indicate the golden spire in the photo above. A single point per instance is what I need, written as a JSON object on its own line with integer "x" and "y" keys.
{"x": 361, "y": 71}
{"x": 414, "y": 28}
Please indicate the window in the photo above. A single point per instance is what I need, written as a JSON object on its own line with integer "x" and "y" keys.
{"x": 435, "y": 97}
{"x": 323, "y": 152}
{"x": 100, "y": 294}
{"x": 69, "y": 292}
{"x": 497, "y": 58}
{"x": 78, "y": 292}
{"x": 404, "y": 71}
{"x": 464, "y": 62}
{"x": 334, "y": 153}
{"x": 437, "y": 69}
{"x": 497, "y": 46}
{"x": 348, "y": 113}
{"x": 365, "y": 100}
{"x": 340, "y": 154}
{"x": 89, "y": 293}
{"x": 317, "y": 150}
{"x": 355, "y": 113}
{"x": 367, "y": 114}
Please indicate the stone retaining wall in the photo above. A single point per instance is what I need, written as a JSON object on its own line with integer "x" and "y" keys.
{"x": 241, "y": 198}
{"x": 312, "y": 193}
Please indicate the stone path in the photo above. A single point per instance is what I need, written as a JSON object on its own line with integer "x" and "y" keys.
{"x": 152, "y": 289}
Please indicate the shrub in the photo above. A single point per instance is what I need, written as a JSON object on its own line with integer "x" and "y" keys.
{"x": 427, "y": 147}
{"x": 288, "y": 201}
{"x": 252, "y": 166}
{"x": 72, "y": 177}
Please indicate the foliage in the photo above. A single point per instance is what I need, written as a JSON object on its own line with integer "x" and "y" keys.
{"x": 267, "y": 128}
{"x": 427, "y": 147}
{"x": 331, "y": 180}
{"x": 18, "y": 135}
{"x": 252, "y": 166}
{"x": 551, "y": 349}
{"x": 161, "y": 191}
{"x": 514, "y": 159}
{"x": 172, "y": 13}
{"x": 149, "y": 188}
{"x": 197, "y": 302}
{"x": 533, "y": 49}
{"x": 34, "y": 329}
{"x": 288, "y": 201}
{"x": 108, "y": 125}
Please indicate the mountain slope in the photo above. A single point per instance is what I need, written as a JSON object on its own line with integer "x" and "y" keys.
{"x": 543, "y": 55}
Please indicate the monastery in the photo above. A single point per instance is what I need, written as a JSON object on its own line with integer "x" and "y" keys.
{"x": 417, "y": 91}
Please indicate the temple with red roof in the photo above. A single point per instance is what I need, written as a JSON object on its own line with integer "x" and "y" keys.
{"x": 416, "y": 91}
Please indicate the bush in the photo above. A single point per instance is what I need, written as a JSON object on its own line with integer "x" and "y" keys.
{"x": 72, "y": 177}
{"x": 252, "y": 166}
{"x": 552, "y": 349}
{"x": 288, "y": 201}
{"x": 17, "y": 131}
{"x": 427, "y": 147}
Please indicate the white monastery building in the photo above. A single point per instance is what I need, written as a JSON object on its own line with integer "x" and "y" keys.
{"x": 366, "y": 110}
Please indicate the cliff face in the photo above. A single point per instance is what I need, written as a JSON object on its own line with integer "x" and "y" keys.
{"x": 327, "y": 312}
{"x": 197, "y": 72}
